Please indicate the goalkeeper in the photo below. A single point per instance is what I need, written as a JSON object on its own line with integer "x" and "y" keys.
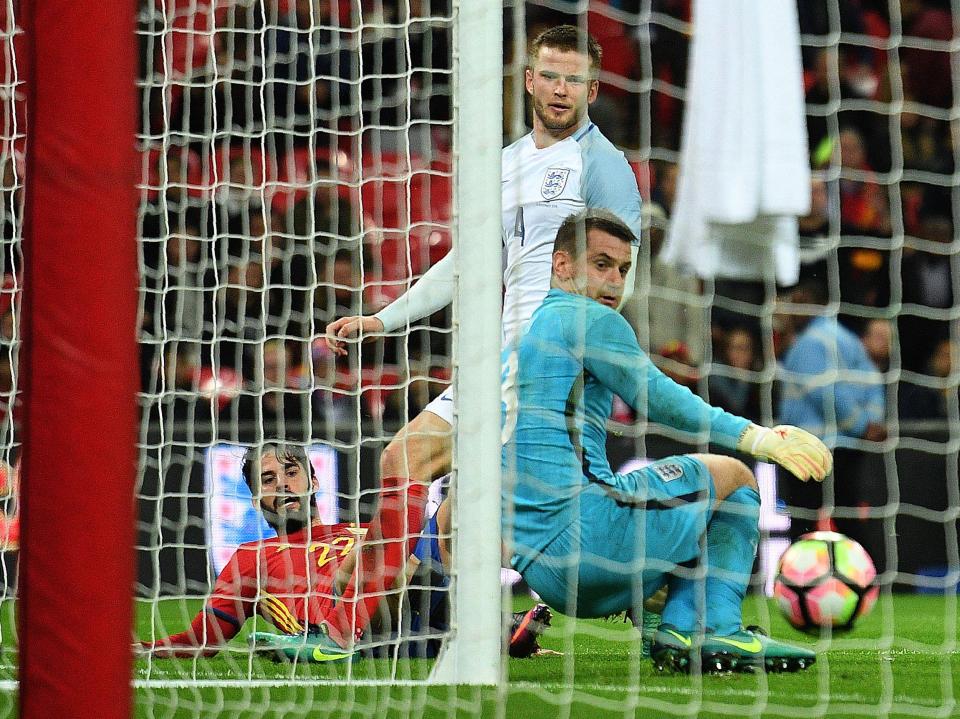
{"x": 304, "y": 580}
{"x": 593, "y": 542}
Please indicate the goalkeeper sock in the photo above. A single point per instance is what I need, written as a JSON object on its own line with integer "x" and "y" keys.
{"x": 685, "y": 602}
{"x": 732, "y": 538}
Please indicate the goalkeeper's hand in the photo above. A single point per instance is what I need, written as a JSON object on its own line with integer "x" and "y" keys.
{"x": 794, "y": 449}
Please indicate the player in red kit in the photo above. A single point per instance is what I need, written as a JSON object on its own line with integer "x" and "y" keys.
{"x": 312, "y": 581}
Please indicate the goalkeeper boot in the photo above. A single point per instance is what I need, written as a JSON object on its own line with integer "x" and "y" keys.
{"x": 525, "y": 628}
{"x": 679, "y": 651}
{"x": 751, "y": 650}
{"x": 313, "y": 648}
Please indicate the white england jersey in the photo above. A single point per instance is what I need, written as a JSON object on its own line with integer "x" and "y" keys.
{"x": 540, "y": 189}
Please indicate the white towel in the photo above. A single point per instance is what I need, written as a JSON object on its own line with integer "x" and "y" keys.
{"x": 744, "y": 164}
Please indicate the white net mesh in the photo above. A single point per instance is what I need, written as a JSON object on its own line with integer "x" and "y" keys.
{"x": 880, "y": 240}
{"x": 296, "y": 167}
{"x": 12, "y": 161}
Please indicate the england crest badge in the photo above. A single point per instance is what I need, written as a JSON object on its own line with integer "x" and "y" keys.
{"x": 554, "y": 182}
{"x": 668, "y": 471}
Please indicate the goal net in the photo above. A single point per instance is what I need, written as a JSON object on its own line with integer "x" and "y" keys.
{"x": 306, "y": 160}
{"x": 300, "y": 165}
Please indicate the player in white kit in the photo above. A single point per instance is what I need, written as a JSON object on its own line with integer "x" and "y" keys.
{"x": 562, "y": 166}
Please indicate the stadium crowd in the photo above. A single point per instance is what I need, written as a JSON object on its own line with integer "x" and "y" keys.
{"x": 297, "y": 167}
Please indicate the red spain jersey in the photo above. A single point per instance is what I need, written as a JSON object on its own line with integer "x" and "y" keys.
{"x": 287, "y": 580}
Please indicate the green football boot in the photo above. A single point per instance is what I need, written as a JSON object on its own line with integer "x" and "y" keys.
{"x": 751, "y": 650}
{"x": 748, "y": 650}
{"x": 313, "y": 648}
{"x": 679, "y": 651}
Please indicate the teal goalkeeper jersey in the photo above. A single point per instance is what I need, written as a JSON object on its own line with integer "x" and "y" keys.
{"x": 558, "y": 387}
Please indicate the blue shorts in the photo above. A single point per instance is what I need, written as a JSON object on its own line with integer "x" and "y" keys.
{"x": 428, "y": 546}
{"x": 627, "y": 540}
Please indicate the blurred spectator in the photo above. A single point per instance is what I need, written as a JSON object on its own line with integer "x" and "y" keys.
{"x": 9, "y": 507}
{"x": 836, "y": 407}
{"x": 864, "y": 271}
{"x": 825, "y": 87}
{"x": 344, "y": 288}
{"x": 279, "y": 402}
{"x": 9, "y": 401}
{"x": 672, "y": 310}
{"x": 174, "y": 402}
{"x": 171, "y": 207}
{"x": 927, "y": 277}
{"x": 877, "y": 339}
{"x": 864, "y": 207}
{"x": 736, "y": 392}
{"x": 291, "y": 274}
{"x": 921, "y": 402}
{"x": 233, "y": 320}
{"x": 311, "y": 50}
{"x": 927, "y": 143}
{"x": 238, "y": 193}
{"x": 172, "y": 295}
{"x": 832, "y": 389}
{"x": 333, "y": 403}
{"x": 324, "y": 215}
{"x": 926, "y": 72}
{"x": 669, "y": 49}
{"x": 664, "y": 191}
{"x": 815, "y": 227}
{"x": 225, "y": 98}
{"x": 407, "y": 402}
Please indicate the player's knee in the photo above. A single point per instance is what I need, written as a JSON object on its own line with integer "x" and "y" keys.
{"x": 743, "y": 475}
{"x": 398, "y": 459}
{"x": 729, "y": 474}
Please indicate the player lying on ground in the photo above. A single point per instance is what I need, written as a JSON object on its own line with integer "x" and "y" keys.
{"x": 563, "y": 165}
{"x": 593, "y": 542}
{"x": 305, "y": 580}
{"x": 300, "y": 581}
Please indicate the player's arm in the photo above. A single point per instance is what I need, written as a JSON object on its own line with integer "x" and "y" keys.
{"x": 215, "y": 625}
{"x": 615, "y": 359}
{"x": 208, "y": 633}
{"x": 431, "y": 293}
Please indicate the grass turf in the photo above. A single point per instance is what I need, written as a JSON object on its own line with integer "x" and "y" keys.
{"x": 903, "y": 660}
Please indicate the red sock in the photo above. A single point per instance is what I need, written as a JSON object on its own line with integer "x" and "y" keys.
{"x": 392, "y": 531}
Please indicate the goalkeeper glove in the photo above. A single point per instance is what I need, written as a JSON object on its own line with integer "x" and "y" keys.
{"x": 794, "y": 449}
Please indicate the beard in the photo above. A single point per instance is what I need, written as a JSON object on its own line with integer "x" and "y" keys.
{"x": 554, "y": 125}
{"x": 291, "y": 521}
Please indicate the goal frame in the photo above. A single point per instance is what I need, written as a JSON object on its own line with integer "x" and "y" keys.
{"x": 473, "y": 652}
{"x": 79, "y": 360}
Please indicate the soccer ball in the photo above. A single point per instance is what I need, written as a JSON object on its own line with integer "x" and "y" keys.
{"x": 825, "y": 579}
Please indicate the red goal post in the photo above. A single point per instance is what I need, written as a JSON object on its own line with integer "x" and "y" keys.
{"x": 79, "y": 361}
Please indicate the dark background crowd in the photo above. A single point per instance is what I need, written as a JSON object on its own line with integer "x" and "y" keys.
{"x": 297, "y": 167}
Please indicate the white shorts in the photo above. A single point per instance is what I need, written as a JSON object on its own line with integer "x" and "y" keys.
{"x": 442, "y": 406}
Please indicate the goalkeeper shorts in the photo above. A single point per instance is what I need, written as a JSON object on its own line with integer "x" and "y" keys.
{"x": 628, "y": 539}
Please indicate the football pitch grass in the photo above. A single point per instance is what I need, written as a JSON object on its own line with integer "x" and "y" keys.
{"x": 902, "y": 660}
